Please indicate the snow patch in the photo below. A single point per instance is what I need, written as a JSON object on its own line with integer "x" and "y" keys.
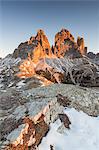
{"x": 20, "y": 84}
{"x": 83, "y": 133}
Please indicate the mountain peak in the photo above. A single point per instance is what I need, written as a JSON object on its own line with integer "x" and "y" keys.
{"x": 40, "y": 32}
{"x": 65, "y": 34}
{"x": 39, "y": 44}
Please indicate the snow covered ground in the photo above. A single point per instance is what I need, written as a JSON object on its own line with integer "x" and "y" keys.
{"x": 82, "y": 135}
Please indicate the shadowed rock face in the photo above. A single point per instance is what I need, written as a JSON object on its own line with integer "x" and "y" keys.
{"x": 94, "y": 57}
{"x": 91, "y": 55}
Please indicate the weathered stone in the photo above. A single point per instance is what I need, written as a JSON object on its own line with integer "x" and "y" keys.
{"x": 16, "y": 133}
{"x": 42, "y": 108}
{"x": 51, "y": 147}
{"x": 91, "y": 55}
{"x": 7, "y": 126}
{"x": 39, "y": 116}
{"x": 62, "y": 100}
{"x": 85, "y": 99}
{"x": 65, "y": 120}
{"x": 78, "y": 71}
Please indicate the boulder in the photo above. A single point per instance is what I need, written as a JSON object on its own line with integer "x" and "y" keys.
{"x": 26, "y": 125}
{"x": 27, "y": 115}
{"x": 65, "y": 120}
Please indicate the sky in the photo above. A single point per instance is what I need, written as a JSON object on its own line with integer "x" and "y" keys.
{"x": 20, "y": 19}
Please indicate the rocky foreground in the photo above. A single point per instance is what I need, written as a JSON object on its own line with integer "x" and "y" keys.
{"x": 37, "y": 82}
{"x": 26, "y": 115}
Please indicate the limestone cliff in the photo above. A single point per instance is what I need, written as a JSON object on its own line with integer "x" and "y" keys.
{"x": 38, "y": 46}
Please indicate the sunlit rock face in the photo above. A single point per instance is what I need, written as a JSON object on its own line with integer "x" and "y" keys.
{"x": 66, "y": 45}
{"x": 43, "y": 47}
{"x": 26, "y": 68}
{"x": 64, "y": 70}
{"x": 38, "y": 46}
{"x": 39, "y": 43}
{"x": 63, "y": 41}
{"x": 41, "y": 37}
{"x": 81, "y": 46}
{"x": 37, "y": 49}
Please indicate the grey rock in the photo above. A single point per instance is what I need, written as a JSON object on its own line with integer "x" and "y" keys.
{"x": 32, "y": 103}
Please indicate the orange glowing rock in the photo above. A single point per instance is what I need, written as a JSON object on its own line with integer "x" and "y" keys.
{"x": 41, "y": 37}
{"x": 27, "y": 68}
{"x": 63, "y": 39}
{"x": 38, "y": 48}
{"x": 38, "y": 53}
{"x": 81, "y": 45}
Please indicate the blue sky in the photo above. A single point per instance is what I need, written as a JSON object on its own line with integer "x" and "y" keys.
{"x": 20, "y": 19}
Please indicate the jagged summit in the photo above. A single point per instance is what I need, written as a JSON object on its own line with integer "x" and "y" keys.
{"x": 65, "y": 44}
{"x": 40, "y": 32}
{"x": 39, "y": 44}
{"x": 63, "y": 41}
{"x": 64, "y": 33}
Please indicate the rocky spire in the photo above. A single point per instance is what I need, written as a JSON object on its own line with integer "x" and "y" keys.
{"x": 63, "y": 40}
{"x": 81, "y": 45}
{"x": 43, "y": 40}
{"x": 38, "y": 43}
{"x": 38, "y": 46}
